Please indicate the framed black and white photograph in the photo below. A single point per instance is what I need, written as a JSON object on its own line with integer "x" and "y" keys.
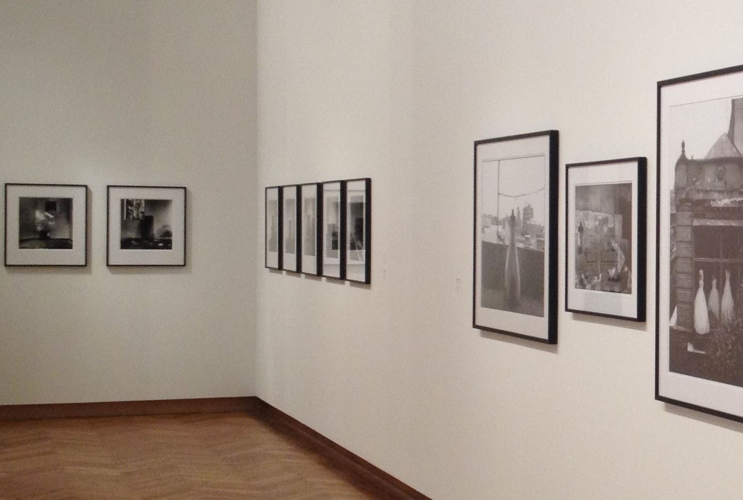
{"x": 311, "y": 228}
{"x": 146, "y": 226}
{"x": 274, "y": 241}
{"x": 515, "y": 236}
{"x": 291, "y": 231}
{"x": 333, "y": 229}
{"x": 606, "y": 211}
{"x": 699, "y": 361}
{"x": 46, "y": 225}
{"x": 358, "y": 230}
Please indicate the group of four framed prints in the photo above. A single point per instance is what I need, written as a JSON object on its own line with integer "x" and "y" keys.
{"x": 47, "y": 225}
{"x": 320, "y": 229}
{"x": 699, "y": 259}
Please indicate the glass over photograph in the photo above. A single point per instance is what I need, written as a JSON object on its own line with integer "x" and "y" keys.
{"x": 706, "y": 274}
{"x": 606, "y": 238}
{"x": 700, "y": 242}
{"x": 45, "y": 223}
{"x": 358, "y": 231}
{"x": 310, "y": 199}
{"x": 146, "y": 224}
{"x": 515, "y": 232}
{"x": 603, "y": 243}
{"x": 333, "y": 235}
{"x": 292, "y": 260}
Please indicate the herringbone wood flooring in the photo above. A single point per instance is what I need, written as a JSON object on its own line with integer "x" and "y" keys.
{"x": 206, "y": 456}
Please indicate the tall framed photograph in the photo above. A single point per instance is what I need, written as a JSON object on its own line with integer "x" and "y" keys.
{"x": 311, "y": 228}
{"x": 273, "y": 234}
{"x": 146, "y": 226}
{"x": 46, "y": 225}
{"x": 358, "y": 230}
{"x": 333, "y": 229}
{"x": 515, "y": 236}
{"x": 291, "y": 229}
{"x": 699, "y": 358}
{"x": 605, "y": 241}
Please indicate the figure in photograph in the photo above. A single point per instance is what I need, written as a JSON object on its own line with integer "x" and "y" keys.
{"x": 513, "y": 206}
{"x": 706, "y": 239}
{"x": 603, "y": 243}
{"x": 45, "y": 223}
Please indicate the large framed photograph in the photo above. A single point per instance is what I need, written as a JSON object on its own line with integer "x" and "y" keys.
{"x": 358, "y": 230}
{"x": 333, "y": 229}
{"x": 311, "y": 228}
{"x": 291, "y": 230}
{"x": 699, "y": 359}
{"x": 46, "y": 225}
{"x": 515, "y": 236}
{"x": 605, "y": 241}
{"x": 146, "y": 226}
{"x": 273, "y": 234}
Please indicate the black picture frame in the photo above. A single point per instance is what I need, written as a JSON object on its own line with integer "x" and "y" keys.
{"x": 146, "y": 251}
{"x": 334, "y": 216}
{"x": 45, "y": 254}
{"x": 352, "y": 274}
{"x": 500, "y": 307}
{"x": 699, "y": 356}
{"x": 311, "y": 266}
{"x": 610, "y": 197}
{"x": 291, "y": 228}
{"x": 274, "y": 259}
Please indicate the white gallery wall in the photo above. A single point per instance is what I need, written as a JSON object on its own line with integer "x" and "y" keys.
{"x": 398, "y": 91}
{"x": 132, "y": 92}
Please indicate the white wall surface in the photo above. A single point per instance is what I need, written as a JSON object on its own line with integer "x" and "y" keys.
{"x": 398, "y": 91}
{"x": 132, "y": 92}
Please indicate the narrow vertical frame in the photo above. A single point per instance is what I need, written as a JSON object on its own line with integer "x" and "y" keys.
{"x": 334, "y": 264}
{"x": 351, "y": 273}
{"x": 273, "y": 258}
{"x": 291, "y": 236}
{"x": 312, "y": 265}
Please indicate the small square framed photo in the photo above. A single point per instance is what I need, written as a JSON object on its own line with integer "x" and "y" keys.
{"x": 515, "y": 236}
{"x": 46, "y": 225}
{"x": 333, "y": 229}
{"x": 146, "y": 226}
{"x": 274, "y": 243}
{"x": 291, "y": 235}
{"x": 311, "y": 228}
{"x": 606, "y": 219}
{"x": 358, "y": 230}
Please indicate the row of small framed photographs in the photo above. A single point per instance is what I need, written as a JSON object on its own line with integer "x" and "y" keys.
{"x": 699, "y": 255}
{"x": 47, "y": 225}
{"x": 320, "y": 229}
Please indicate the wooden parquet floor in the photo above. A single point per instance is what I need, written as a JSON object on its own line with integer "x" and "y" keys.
{"x": 201, "y": 456}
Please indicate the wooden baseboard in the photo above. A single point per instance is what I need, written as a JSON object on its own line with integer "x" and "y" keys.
{"x": 354, "y": 468}
{"x": 128, "y": 408}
